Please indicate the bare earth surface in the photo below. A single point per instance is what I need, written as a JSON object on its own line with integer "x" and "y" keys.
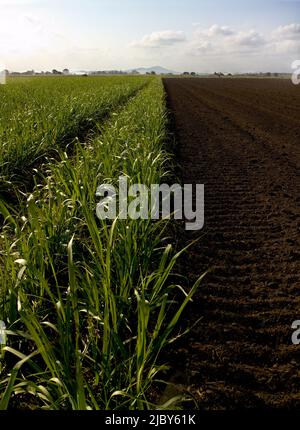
{"x": 241, "y": 138}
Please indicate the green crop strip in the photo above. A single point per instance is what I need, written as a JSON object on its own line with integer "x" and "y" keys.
{"x": 89, "y": 304}
{"x": 40, "y": 115}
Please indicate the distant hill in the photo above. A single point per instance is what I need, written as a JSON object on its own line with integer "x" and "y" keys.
{"x": 157, "y": 69}
{"x": 142, "y": 70}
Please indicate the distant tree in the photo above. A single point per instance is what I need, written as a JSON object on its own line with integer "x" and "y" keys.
{"x": 193, "y": 74}
{"x": 153, "y": 72}
{"x": 186, "y": 73}
{"x": 56, "y": 72}
{"x": 66, "y": 72}
{"x": 29, "y": 73}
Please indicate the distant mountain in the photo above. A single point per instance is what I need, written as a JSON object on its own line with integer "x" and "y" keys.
{"x": 157, "y": 69}
{"x": 142, "y": 70}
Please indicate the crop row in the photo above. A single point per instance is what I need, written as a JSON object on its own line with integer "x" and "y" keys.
{"x": 90, "y": 304}
{"x": 39, "y": 115}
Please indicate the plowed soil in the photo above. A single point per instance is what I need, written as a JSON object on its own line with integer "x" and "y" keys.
{"x": 241, "y": 138}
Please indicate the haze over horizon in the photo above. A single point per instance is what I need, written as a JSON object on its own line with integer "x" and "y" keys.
{"x": 199, "y": 35}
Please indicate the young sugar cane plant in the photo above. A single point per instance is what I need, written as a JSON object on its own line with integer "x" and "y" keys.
{"x": 89, "y": 304}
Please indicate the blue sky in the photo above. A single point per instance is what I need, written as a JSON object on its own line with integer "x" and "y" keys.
{"x": 200, "y": 35}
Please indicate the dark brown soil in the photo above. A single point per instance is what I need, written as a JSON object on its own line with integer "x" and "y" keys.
{"x": 241, "y": 138}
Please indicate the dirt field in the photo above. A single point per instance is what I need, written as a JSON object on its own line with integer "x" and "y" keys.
{"x": 241, "y": 138}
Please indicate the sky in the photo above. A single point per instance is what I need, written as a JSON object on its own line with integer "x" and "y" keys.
{"x": 183, "y": 35}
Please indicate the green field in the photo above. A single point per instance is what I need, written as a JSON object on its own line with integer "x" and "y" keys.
{"x": 40, "y": 115}
{"x": 88, "y": 304}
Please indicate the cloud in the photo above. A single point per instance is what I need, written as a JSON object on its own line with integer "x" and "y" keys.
{"x": 286, "y": 39}
{"x": 287, "y": 32}
{"x": 221, "y": 39}
{"x": 249, "y": 39}
{"x": 287, "y": 47}
{"x": 160, "y": 39}
{"x": 215, "y": 30}
{"x": 32, "y": 20}
{"x": 234, "y": 49}
{"x": 224, "y": 47}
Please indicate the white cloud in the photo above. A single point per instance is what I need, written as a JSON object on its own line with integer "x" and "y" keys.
{"x": 160, "y": 39}
{"x": 249, "y": 38}
{"x": 241, "y": 49}
{"x": 287, "y": 32}
{"x": 32, "y": 20}
{"x": 218, "y": 47}
{"x": 27, "y": 33}
{"x": 286, "y": 39}
{"x": 215, "y": 30}
{"x": 287, "y": 47}
{"x": 220, "y": 39}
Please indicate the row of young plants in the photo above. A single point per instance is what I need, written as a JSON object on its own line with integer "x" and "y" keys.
{"x": 90, "y": 304}
{"x": 39, "y": 115}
